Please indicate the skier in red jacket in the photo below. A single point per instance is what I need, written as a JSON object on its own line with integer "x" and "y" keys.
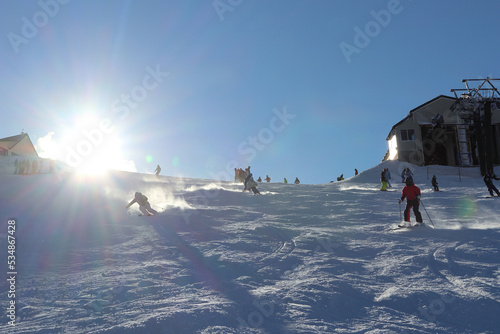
{"x": 412, "y": 194}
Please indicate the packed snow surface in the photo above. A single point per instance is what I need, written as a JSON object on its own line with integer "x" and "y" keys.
{"x": 296, "y": 259}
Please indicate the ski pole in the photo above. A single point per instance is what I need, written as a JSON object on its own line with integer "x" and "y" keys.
{"x": 427, "y": 213}
{"x": 157, "y": 206}
{"x": 400, "y": 214}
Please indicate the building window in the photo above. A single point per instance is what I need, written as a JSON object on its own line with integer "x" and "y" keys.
{"x": 407, "y": 135}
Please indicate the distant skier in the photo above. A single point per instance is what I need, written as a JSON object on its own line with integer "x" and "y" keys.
{"x": 355, "y": 172}
{"x": 144, "y": 205}
{"x": 158, "y": 170}
{"x": 250, "y": 184}
{"x": 268, "y": 179}
{"x": 297, "y": 181}
{"x": 434, "y": 183}
{"x": 259, "y": 179}
{"x": 412, "y": 194}
{"x": 341, "y": 177}
{"x": 383, "y": 180}
{"x": 242, "y": 175}
{"x": 488, "y": 180}
{"x": 406, "y": 174}
{"x": 285, "y": 180}
{"x": 388, "y": 177}
{"x": 409, "y": 174}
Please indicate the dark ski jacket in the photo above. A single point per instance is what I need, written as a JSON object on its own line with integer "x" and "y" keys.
{"x": 383, "y": 177}
{"x": 489, "y": 177}
{"x": 434, "y": 181}
{"x": 138, "y": 198}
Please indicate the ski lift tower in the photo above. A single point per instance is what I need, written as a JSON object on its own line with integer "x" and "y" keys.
{"x": 473, "y": 109}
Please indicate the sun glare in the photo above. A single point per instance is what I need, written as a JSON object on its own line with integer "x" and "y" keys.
{"x": 108, "y": 158}
{"x": 88, "y": 147}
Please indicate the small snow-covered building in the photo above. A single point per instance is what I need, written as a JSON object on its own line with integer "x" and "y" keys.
{"x": 20, "y": 145}
{"x": 440, "y": 132}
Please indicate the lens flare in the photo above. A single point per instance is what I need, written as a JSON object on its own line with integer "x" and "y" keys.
{"x": 466, "y": 207}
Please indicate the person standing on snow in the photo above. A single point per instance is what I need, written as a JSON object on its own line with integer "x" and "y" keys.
{"x": 388, "y": 177}
{"x": 144, "y": 205}
{"x": 434, "y": 183}
{"x": 488, "y": 180}
{"x": 158, "y": 170}
{"x": 412, "y": 194}
{"x": 383, "y": 180}
{"x": 409, "y": 174}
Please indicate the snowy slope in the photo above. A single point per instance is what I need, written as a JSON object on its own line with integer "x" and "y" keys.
{"x": 297, "y": 259}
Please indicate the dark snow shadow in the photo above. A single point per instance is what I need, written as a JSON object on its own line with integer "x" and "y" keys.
{"x": 208, "y": 272}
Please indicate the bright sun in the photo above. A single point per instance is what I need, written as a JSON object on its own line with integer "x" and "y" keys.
{"x": 87, "y": 148}
{"x": 107, "y": 156}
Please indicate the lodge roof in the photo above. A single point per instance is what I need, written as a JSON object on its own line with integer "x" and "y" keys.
{"x": 9, "y": 142}
{"x": 13, "y": 140}
{"x": 410, "y": 113}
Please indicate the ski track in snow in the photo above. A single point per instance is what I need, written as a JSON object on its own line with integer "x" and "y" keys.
{"x": 296, "y": 259}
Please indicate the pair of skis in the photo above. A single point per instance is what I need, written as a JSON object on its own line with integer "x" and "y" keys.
{"x": 406, "y": 226}
{"x": 417, "y": 224}
{"x": 410, "y": 225}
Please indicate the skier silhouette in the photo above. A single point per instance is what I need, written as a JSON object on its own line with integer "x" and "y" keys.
{"x": 158, "y": 170}
{"x": 488, "y": 180}
{"x": 144, "y": 205}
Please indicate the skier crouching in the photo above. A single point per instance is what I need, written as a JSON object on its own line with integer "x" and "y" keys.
{"x": 250, "y": 184}
{"x": 144, "y": 205}
{"x": 412, "y": 194}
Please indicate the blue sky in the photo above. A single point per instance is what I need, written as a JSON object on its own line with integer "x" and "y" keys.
{"x": 306, "y": 89}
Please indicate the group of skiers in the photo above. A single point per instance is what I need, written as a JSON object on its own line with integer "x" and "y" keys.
{"x": 25, "y": 166}
{"x": 341, "y": 177}
{"x": 240, "y": 175}
{"x": 410, "y": 191}
{"x": 385, "y": 178}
